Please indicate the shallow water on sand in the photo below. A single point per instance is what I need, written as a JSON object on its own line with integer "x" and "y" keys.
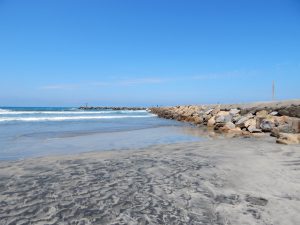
{"x": 31, "y": 132}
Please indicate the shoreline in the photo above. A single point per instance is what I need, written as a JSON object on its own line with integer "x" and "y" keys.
{"x": 184, "y": 183}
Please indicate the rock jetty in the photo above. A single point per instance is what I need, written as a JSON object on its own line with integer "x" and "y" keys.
{"x": 110, "y": 108}
{"x": 280, "y": 119}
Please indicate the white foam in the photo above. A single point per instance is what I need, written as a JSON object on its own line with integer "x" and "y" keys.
{"x": 63, "y": 118}
{"x": 7, "y": 112}
{"x": 4, "y": 110}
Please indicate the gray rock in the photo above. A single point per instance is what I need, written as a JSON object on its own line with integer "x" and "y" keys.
{"x": 267, "y": 125}
{"x": 274, "y": 113}
{"x": 253, "y": 129}
{"x": 286, "y": 128}
{"x": 234, "y": 111}
{"x": 229, "y": 125}
{"x": 296, "y": 125}
{"x": 236, "y": 118}
{"x": 208, "y": 111}
{"x": 223, "y": 119}
{"x": 241, "y": 122}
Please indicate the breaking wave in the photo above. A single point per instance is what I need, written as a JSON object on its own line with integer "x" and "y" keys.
{"x": 64, "y": 118}
{"x": 8, "y": 112}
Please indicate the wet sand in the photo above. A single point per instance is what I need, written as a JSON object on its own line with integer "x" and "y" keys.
{"x": 217, "y": 181}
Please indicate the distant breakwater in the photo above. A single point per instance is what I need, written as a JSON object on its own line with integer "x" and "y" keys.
{"x": 110, "y": 108}
{"x": 280, "y": 119}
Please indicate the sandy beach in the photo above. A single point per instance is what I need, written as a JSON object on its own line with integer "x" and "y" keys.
{"x": 216, "y": 181}
{"x": 150, "y": 112}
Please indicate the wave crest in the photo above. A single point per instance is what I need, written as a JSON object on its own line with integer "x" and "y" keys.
{"x": 9, "y": 112}
{"x": 64, "y": 118}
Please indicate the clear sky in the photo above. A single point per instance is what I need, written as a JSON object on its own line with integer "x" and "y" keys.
{"x": 148, "y": 52}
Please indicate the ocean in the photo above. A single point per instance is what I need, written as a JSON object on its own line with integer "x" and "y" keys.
{"x": 40, "y": 131}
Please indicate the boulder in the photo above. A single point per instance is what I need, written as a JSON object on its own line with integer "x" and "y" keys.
{"x": 267, "y": 125}
{"x": 235, "y": 130}
{"x": 285, "y": 138}
{"x": 222, "y": 113}
{"x": 280, "y": 120}
{"x": 250, "y": 122}
{"x": 219, "y": 126}
{"x": 208, "y": 111}
{"x": 293, "y": 111}
{"x": 241, "y": 122}
{"x": 227, "y": 126}
{"x": 215, "y": 111}
{"x": 262, "y": 113}
{"x": 274, "y": 113}
{"x": 296, "y": 125}
{"x": 253, "y": 129}
{"x": 211, "y": 122}
{"x": 275, "y": 132}
{"x": 198, "y": 119}
{"x": 236, "y": 118}
{"x": 223, "y": 118}
{"x": 285, "y": 128}
{"x": 234, "y": 112}
{"x": 251, "y": 126}
{"x": 206, "y": 117}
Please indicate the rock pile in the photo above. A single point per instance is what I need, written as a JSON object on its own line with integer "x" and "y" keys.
{"x": 238, "y": 121}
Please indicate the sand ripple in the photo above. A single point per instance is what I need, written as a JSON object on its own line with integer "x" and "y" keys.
{"x": 177, "y": 184}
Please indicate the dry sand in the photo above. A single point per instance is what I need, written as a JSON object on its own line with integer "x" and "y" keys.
{"x": 218, "y": 181}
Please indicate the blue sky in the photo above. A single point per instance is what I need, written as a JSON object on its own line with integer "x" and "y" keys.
{"x": 148, "y": 52}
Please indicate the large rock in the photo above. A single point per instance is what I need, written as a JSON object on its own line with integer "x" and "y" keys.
{"x": 285, "y": 138}
{"x": 253, "y": 129}
{"x": 234, "y": 112}
{"x": 285, "y": 128}
{"x": 236, "y": 118}
{"x": 250, "y": 122}
{"x": 274, "y": 113}
{"x": 206, "y": 117}
{"x": 215, "y": 111}
{"x": 251, "y": 126}
{"x": 222, "y": 113}
{"x": 295, "y": 125}
{"x": 281, "y": 120}
{"x": 211, "y": 122}
{"x": 267, "y": 125}
{"x": 293, "y": 111}
{"x": 228, "y": 126}
{"x": 208, "y": 111}
{"x": 275, "y": 132}
{"x": 223, "y": 117}
{"x": 262, "y": 113}
{"x": 198, "y": 119}
{"x": 241, "y": 122}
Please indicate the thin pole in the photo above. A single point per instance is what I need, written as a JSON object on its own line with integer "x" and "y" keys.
{"x": 273, "y": 90}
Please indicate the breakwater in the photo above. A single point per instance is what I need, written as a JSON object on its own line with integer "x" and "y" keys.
{"x": 110, "y": 108}
{"x": 280, "y": 119}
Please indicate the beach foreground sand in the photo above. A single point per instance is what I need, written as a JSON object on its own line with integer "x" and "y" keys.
{"x": 217, "y": 181}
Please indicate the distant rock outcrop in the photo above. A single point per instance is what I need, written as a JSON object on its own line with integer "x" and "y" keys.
{"x": 110, "y": 108}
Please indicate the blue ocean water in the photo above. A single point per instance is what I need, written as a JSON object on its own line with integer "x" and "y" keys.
{"x": 39, "y": 131}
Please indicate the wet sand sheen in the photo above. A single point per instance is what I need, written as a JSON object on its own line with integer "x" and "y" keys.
{"x": 219, "y": 181}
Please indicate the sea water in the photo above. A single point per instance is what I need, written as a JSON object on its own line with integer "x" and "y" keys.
{"x": 40, "y": 131}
